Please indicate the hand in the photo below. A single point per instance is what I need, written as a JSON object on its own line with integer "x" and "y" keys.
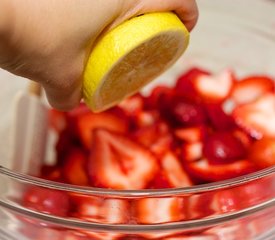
{"x": 49, "y": 41}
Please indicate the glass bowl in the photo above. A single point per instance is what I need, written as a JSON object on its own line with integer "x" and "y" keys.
{"x": 239, "y": 36}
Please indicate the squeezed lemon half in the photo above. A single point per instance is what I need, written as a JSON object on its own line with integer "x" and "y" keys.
{"x": 130, "y": 56}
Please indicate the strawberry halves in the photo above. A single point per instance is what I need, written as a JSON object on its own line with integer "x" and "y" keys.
{"x": 257, "y": 118}
{"x": 118, "y": 162}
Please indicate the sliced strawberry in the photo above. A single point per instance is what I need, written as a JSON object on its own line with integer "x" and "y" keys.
{"x": 162, "y": 145}
{"x": 214, "y": 89}
{"x": 211, "y": 203}
{"x": 185, "y": 113}
{"x": 200, "y": 236}
{"x": 160, "y": 95}
{"x": 257, "y": 118}
{"x": 65, "y": 142}
{"x": 155, "y": 137}
{"x": 158, "y": 210}
{"x": 251, "y": 88}
{"x": 223, "y": 147}
{"x": 52, "y": 173}
{"x": 74, "y": 170}
{"x": 255, "y": 192}
{"x": 146, "y": 118}
{"x": 133, "y": 105}
{"x": 74, "y": 235}
{"x": 191, "y": 151}
{"x": 185, "y": 84}
{"x": 174, "y": 172}
{"x": 90, "y": 121}
{"x": 262, "y": 152}
{"x": 92, "y": 235}
{"x": 47, "y": 201}
{"x": 79, "y": 111}
{"x": 202, "y": 170}
{"x": 243, "y": 137}
{"x": 98, "y": 209}
{"x": 120, "y": 163}
{"x": 219, "y": 119}
{"x": 160, "y": 181}
{"x": 191, "y": 134}
{"x": 57, "y": 120}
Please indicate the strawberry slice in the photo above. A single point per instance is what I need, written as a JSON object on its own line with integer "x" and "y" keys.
{"x": 98, "y": 209}
{"x": 186, "y": 113}
{"x": 262, "y": 152}
{"x": 160, "y": 181}
{"x": 133, "y": 105}
{"x": 211, "y": 203}
{"x": 57, "y": 120}
{"x": 255, "y": 192}
{"x": 223, "y": 147}
{"x": 191, "y": 151}
{"x": 214, "y": 89}
{"x": 90, "y": 121}
{"x": 191, "y": 134}
{"x": 52, "y": 173}
{"x": 251, "y": 88}
{"x": 257, "y": 118}
{"x": 66, "y": 141}
{"x": 47, "y": 201}
{"x": 174, "y": 172}
{"x": 118, "y": 162}
{"x": 159, "y": 95}
{"x": 145, "y": 119}
{"x": 243, "y": 137}
{"x": 200, "y": 236}
{"x": 92, "y": 235}
{"x": 219, "y": 119}
{"x": 74, "y": 171}
{"x": 202, "y": 170}
{"x": 154, "y": 137}
{"x": 185, "y": 84}
{"x": 158, "y": 210}
{"x": 79, "y": 111}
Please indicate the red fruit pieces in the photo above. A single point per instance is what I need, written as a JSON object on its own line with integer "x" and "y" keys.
{"x": 187, "y": 114}
{"x": 118, "y": 162}
{"x": 132, "y": 105}
{"x": 258, "y": 117}
{"x": 90, "y": 121}
{"x": 57, "y": 120}
{"x": 251, "y": 88}
{"x": 155, "y": 137}
{"x": 160, "y": 181}
{"x": 262, "y": 152}
{"x": 191, "y": 134}
{"x": 174, "y": 172}
{"x": 211, "y": 173}
{"x": 160, "y": 97}
{"x": 191, "y": 151}
{"x": 145, "y": 119}
{"x": 211, "y": 203}
{"x": 218, "y": 118}
{"x": 74, "y": 167}
{"x": 158, "y": 210}
{"x": 185, "y": 85}
{"x": 223, "y": 147}
{"x": 98, "y": 209}
{"x": 47, "y": 201}
{"x": 214, "y": 89}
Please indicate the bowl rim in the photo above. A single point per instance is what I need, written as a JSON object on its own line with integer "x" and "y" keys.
{"x": 140, "y": 228}
{"x": 104, "y": 192}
